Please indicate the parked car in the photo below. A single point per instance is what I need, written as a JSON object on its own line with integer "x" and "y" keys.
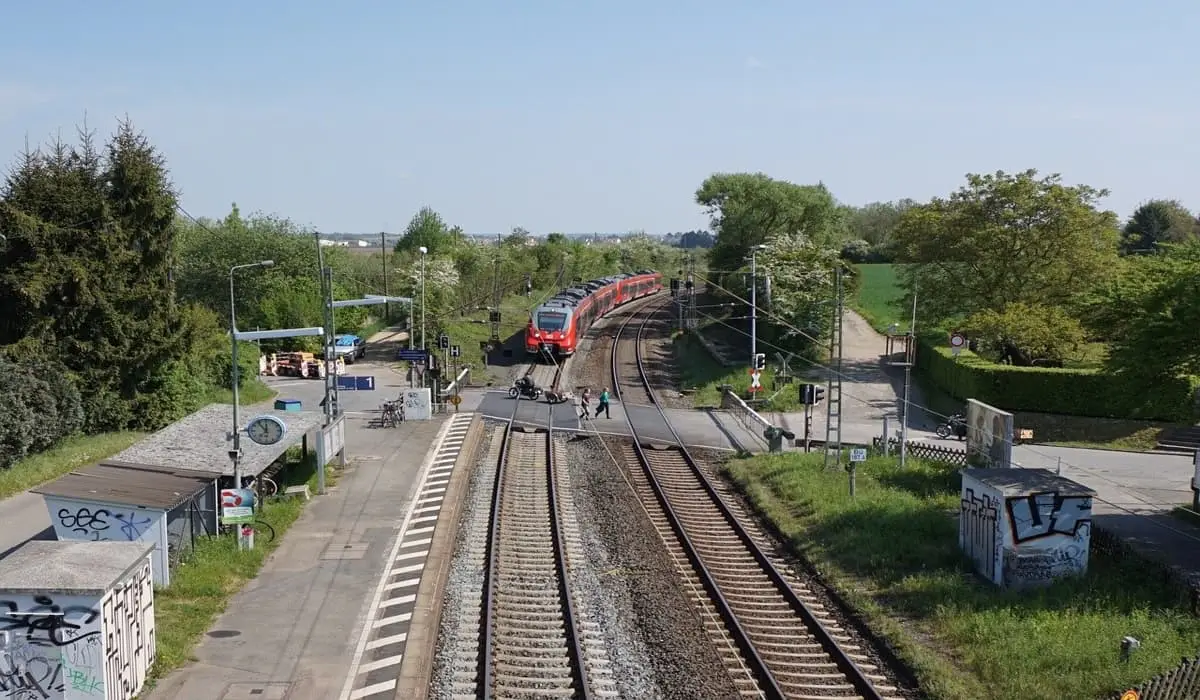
{"x": 350, "y": 348}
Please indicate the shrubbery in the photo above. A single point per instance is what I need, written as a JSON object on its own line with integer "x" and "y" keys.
{"x": 43, "y": 405}
{"x": 1079, "y": 392}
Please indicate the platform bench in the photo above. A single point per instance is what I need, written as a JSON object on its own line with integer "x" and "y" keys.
{"x": 301, "y": 490}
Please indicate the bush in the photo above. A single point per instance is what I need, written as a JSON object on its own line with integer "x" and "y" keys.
{"x": 1077, "y": 392}
{"x": 43, "y": 406}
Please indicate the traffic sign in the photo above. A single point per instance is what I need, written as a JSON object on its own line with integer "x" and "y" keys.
{"x": 858, "y": 455}
{"x": 356, "y": 383}
{"x": 957, "y": 342}
{"x": 414, "y": 355}
{"x": 455, "y": 351}
{"x": 755, "y": 383}
{"x": 455, "y": 399}
{"x": 1130, "y": 695}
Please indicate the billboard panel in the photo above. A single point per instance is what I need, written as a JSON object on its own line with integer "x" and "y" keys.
{"x": 989, "y": 435}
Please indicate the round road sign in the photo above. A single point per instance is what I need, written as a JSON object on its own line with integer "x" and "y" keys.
{"x": 957, "y": 340}
{"x": 1130, "y": 695}
{"x": 455, "y": 399}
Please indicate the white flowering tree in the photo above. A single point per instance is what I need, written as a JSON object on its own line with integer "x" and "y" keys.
{"x": 801, "y": 289}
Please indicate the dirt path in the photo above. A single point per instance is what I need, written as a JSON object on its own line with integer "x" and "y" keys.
{"x": 871, "y": 389}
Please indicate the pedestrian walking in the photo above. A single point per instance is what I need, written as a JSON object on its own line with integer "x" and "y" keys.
{"x": 585, "y": 404}
{"x": 603, "y": 405}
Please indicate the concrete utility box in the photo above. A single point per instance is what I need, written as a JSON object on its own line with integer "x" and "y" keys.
{"x": 418, "y": 404}
{"x": 123, "y": 502}
{"x": 78, "y": 620}
{"x": 1024, "y": 527}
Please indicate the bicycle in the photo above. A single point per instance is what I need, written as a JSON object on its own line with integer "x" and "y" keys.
{"x": 266, "y": 485}
{"x": 391, "y": 414}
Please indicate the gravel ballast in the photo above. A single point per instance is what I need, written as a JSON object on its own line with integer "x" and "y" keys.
{"x": 657, "y": 643}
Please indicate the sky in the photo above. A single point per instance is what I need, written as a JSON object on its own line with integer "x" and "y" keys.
{"x": 606, "y": 116}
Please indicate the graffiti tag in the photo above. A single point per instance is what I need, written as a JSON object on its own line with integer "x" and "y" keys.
{"x": 47, "y": 621}
{"x": 37, "y": 678}
{"x": 131, "y": 525}
{"x": 1044, "y": 514}
{"x": 85, "y": 521}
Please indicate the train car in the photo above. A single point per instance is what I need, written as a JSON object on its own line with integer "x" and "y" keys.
{"x": 557, "y": 325}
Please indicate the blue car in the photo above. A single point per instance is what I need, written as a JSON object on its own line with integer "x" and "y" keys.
{"x": 349, "y": 348}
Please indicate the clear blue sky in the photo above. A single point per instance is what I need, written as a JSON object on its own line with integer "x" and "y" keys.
{"x": 606, "y": 116}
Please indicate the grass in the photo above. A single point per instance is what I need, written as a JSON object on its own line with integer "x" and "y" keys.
{"x": 893, "y": 553}
{"x": 1144, "y": 440}
{"x": 702, "y": 375}
{"x": 254, "y": 391}
{"x": 70, "y": 454}
{"x": 472, "y": 329}
{"x": 215, "y": 570}
{"x": 876, "y": 296}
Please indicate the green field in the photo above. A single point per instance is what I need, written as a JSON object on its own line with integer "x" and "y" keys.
{"x": 893, "y": 552}
{"x": 877, "y": 295}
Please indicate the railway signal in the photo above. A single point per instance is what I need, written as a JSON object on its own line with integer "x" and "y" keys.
{"x": 760, "y": 362}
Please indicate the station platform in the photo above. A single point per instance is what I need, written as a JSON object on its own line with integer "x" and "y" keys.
{"x": 308, "y": 626}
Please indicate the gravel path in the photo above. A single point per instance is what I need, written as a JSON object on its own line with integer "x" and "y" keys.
{"x": 656, "y": 641}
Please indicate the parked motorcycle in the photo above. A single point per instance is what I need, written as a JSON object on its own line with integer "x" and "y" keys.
{"x": 956, "y": 425}
{"x": 526, "y": 388}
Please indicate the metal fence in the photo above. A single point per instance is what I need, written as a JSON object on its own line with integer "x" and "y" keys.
{"x": 926, "y": 451}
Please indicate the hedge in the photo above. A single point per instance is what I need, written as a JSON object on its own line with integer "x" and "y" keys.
{"x": 1077, "y": 392}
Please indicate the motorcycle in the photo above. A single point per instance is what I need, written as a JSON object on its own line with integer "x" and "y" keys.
{"x": 527, "y": 389}
{"x": 956, "y": 425}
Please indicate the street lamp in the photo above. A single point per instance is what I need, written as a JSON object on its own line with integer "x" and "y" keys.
{"x": 424, "y": 251}
{"x": 236, "y": 452}
{"x": 754, "y": 303}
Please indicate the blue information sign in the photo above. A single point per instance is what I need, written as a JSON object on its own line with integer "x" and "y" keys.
{"x": 414, "y": 355}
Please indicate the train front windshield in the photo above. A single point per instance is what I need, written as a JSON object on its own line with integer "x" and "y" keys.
{"x": 551, "y": 322}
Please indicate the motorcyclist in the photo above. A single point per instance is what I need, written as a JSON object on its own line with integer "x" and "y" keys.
{"x": 525, "y": 385}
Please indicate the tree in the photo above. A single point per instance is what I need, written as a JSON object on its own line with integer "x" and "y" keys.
{"x": 876, "y": 222}
{"x": 1158, "y": 221}
{"x": 427, "y": 228}
{"x": 1005, "y": 239}
{"x": 1159, "y": 308}
{"x": 748, "y": 209}
{"x": 88, "y": 269}
{"x": 802, "y": 284}
{"x": 1024, "y": 335}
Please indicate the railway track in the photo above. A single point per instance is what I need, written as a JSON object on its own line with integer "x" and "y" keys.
{"x": 775, "y": 637}
{"x": 533, "y": 641}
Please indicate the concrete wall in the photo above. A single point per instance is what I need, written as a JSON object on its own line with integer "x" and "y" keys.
{"x": 1047, "y": 537}
{"x": 418, "y": 404}
{"x": 989, "y": 435}
{"x": 96, "y": 521}
{"x": 64, "y": 647}
{"x": 981, "y": 528}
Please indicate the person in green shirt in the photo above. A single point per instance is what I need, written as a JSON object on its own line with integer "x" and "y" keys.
{"x": 603, "y": 405}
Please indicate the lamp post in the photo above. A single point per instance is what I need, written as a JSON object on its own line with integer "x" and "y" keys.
{"x": 423, "y": 250}
{"x": 236, "y": 453}
{"x": 754, "y": 303}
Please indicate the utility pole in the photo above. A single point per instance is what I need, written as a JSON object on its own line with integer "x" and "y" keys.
{"x": 754, "y": 302}
{"x": 908, "y": 364}
{"x": 494, "y": 316}
{"x": 833, "y": 388}
{"x": 387, "y": 307}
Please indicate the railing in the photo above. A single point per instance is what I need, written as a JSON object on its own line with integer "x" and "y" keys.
{"x": 747, "y": 416}
{"x": 458, "y": 382}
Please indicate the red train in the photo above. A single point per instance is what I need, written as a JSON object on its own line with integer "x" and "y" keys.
{"x": 556, "y": 326}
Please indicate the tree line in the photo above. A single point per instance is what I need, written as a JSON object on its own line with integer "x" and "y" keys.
{"x": 116, "y": 301}
{"x": 1032, "y": 269}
